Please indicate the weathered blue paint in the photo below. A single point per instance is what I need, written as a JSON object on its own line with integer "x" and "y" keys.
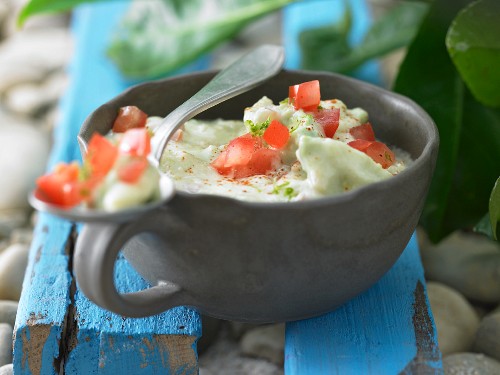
{"x": 42, "y": 310}
{"x": 314, "y": 13}
{"x": 110, "y": 344}
{"x": 375, "y": 333}
{"x": 56, "y": 326}
{"x": 388, "y": 329}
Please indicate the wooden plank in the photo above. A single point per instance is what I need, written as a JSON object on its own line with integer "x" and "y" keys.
{"x": 386, "y": 330}
{"x": 57, "y": 328}
{"x": 102, "y": 342}
{"x": 106, "y": 343}
{"x": 389, "y": 329}
{"x": 42, "y": 309}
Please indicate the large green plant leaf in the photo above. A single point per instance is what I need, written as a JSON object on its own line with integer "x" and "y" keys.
{"x": 328, "y": 48}
{"x": 47, "y": 6}
{"x": 154, "y": 37}
{"x": 473, "y": 42}
{"x": 467, "y": 164}
{"x": 495, "y": 210}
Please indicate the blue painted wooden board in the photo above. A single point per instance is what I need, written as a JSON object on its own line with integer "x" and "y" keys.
{"x": 57, "y": 328}
{"x": 389, "y": 329}
{"x": 386, "y": 330}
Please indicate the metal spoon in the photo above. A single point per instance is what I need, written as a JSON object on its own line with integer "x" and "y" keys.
{"x": 246, "y": 73}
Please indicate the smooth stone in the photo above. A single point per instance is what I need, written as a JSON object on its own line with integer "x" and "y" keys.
{"x": 30, "y": 99}
{"x": 4, "y": 13}
{"x": 12, "y": 219}
{"x": 470, "y": 364}
{"x": 30, "y": 55}
{"x": 7, "y": 369}
{"x": 225, "y": 358}
{"x": 266, "y": 341}
{"x": 469, "y": 263}
{"x": 8, "y": 311}
{"x": 455, "y": 319}
{"x": 488, "y": 336}
{"x": 23, "y": 157}
{"x": 4, "y": 244}
{"x": 5, "y": 344}
{"x": 22, "y": 235}
{"x": 238, "y": 329}
{"x": 13, "y": 262}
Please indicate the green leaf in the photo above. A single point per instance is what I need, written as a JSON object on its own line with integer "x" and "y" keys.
{"x": 322, "y": 46}
{"x": 484, "y": 226}
{"x": 156, "y": 37}
{"x": 33, "y": 7}
{"x": 327, "y": 48}
{"x": 473, "y": 42}
{"x": 495, "y": 210}
{"x": 467, "y": 164}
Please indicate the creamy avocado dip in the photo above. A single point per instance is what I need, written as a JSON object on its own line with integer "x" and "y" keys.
{"x": 312, "y": 165}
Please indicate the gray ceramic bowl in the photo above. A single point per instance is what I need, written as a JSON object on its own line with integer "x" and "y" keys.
{"x": 260, "y": 262}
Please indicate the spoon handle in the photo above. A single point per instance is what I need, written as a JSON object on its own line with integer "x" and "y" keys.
{"x": 246, "y": 73}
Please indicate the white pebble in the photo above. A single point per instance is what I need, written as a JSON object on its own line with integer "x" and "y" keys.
{"x": 7, "y": 369}
{"x": 5, "y": 344}
{"x": 13, "y": 261}
{"x": 8, "y": 311}
{"x": 30, "y": 55}
{"x": 456, "y": 321}
{"x": 23, "y": 156}
{"x": 267, "y": 341}
{"x": 29, "y": 99}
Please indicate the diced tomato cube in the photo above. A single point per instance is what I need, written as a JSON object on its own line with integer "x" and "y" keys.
{"x": 245, "y": 156}
{"x": 364, "y": 131}
{"x": 381, "y": 154}
{"x": 263, "y": 161}
{"x": 132, "y": 170}
{"x": 276, "y": 135}
{"x": 378, "y": 151}
{"x": 328, "y": 119}
{"x": 60, "y": 187}
{"x": 101, "y": 156}
{"x": 360, "y": 144}
{"x": 129, "y": 117}
{"x": 305, "y": 96}
{"x": 136, "y": 142}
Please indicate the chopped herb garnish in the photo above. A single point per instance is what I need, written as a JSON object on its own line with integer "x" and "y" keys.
{"x": 284, "y": 189}
{"x": 285, "y": 101}
{"x": 257, "y": 129}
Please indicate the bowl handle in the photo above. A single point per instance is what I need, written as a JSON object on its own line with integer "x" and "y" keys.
{"x": 95, "y": 254}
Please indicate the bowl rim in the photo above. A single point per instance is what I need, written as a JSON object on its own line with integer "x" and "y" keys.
{"x": 429, "y": 150}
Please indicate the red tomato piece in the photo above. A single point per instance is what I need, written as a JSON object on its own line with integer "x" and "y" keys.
{"x": 381, "y": 154}
{"x": 60, "y": 187}
{"x": 328, "y": 119}
{"x": 360, "y": 144}
{"x": 364, "y": 131}
{"x": 101, "y": 156}
{"x": 237, "y": 154}
{"x": 132, "y": 170}
{"x": 136, "y": 142}
{"x": 378, "y": 151}
{"x": 276, "y": 135}
{"x": 263, "y": 160}
{"x": 305, "y": 96}
{"x": 245, "y": 156}
{"x": 129, "y": 117}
